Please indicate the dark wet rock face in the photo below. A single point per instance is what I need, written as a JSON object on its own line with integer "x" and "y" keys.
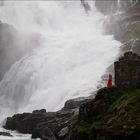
{"x": 40, "y": 124}
{"x": 5, "y": 134}
{"x": 75, "y": 103}
{"x": 92, "y": 110}
{"x": 46, "y": 125}
{"x": 16, "y": 122}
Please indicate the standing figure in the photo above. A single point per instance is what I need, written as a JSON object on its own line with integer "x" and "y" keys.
{"x": 109, "y": 82}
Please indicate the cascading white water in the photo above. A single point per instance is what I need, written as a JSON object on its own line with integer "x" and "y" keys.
{"x": 73, "y": 55}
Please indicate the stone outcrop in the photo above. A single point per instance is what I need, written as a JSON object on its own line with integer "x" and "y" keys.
{"x": 46, "y": 125}
{"x": 91, "y": 111}
{"x": 127, "y": 71}
{"x": 7, "y": 134}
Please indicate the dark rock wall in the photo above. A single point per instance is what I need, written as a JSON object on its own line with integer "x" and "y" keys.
{"x": 123, "y": 22}
{"x": 106, "y": 6}
{"x": 127, "y": 71}
{"x": 112, "y": 6}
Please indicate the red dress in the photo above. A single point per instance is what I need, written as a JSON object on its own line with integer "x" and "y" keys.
{"x": 109, "y": 83}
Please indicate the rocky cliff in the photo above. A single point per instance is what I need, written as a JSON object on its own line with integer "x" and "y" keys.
{"x": 123, "y": 22}
{"x": 110, "y": 7}
{"x": 112, "y": 115}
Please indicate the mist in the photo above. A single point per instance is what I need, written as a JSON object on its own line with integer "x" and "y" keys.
{"x": 72, "y": 55}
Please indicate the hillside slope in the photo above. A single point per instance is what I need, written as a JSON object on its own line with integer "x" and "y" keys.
{"x": 112, "y": 115}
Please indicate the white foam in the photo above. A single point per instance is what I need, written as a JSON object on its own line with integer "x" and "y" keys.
{"x": 72, "y": 57}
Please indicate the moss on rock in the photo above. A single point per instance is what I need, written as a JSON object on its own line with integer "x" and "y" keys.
{"x": 118, "y": 118}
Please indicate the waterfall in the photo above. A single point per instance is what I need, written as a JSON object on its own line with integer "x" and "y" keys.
{"x": 73, "y": 54}
{"x": 118, "y": 4}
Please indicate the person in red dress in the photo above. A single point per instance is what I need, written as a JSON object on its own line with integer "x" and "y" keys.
{"x": 109, "y": 82}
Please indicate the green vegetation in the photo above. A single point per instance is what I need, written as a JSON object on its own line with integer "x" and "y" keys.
{"x": 118, "y": 116}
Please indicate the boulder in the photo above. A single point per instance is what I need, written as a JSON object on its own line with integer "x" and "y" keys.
{"x": 75, "y": 103}
{"x": 63, "y": 133}
{"x": 92, "y": 110}
{"x": 39, "y": 111}
{"x": 5, "y": 134}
